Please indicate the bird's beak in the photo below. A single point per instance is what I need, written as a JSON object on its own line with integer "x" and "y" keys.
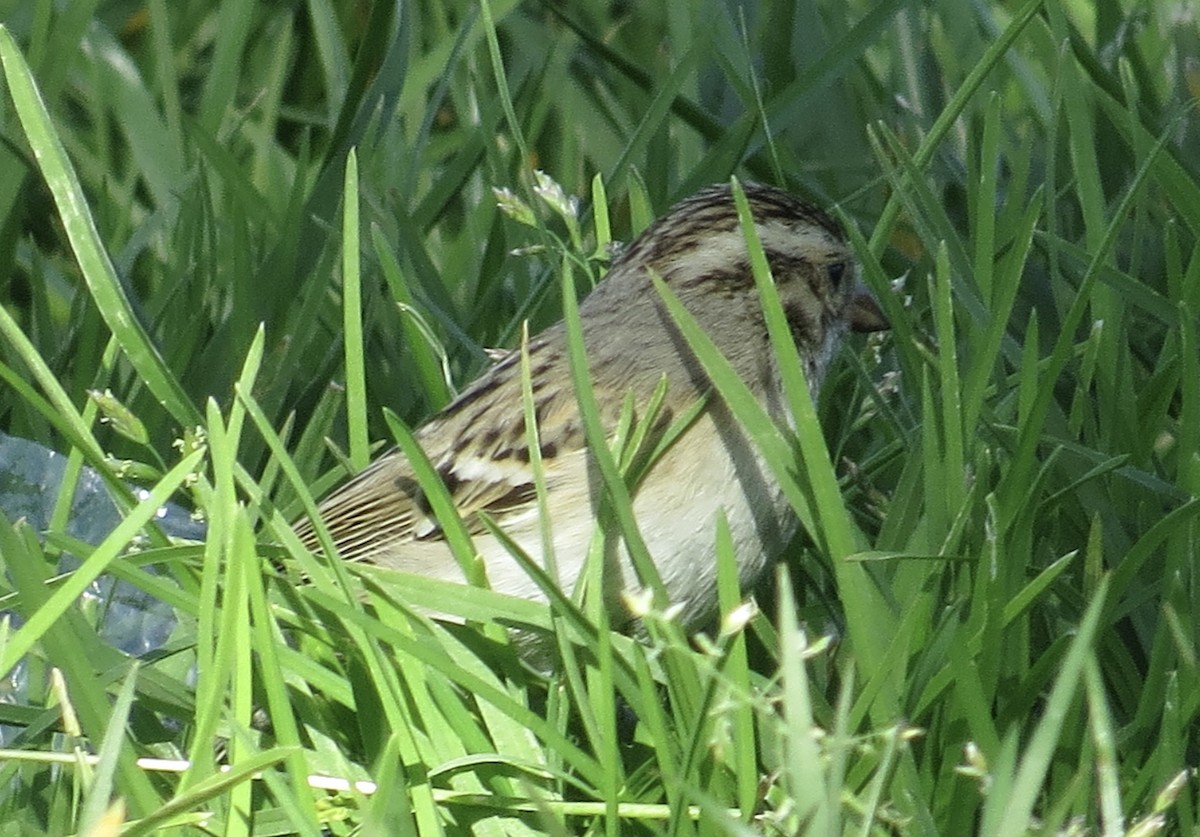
{"x": 865, "y": 314}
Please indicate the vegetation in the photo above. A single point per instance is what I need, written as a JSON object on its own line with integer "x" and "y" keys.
{"x": 258, "y": 226}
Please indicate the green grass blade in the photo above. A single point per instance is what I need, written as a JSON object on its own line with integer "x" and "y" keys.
{"x": 97, "y": 269}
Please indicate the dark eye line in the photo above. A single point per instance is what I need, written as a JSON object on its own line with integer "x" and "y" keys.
{"x": 835, "y": 271}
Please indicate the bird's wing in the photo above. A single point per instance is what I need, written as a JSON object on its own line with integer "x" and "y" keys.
{"x": 478, "y": 448}
{"x": 384, "y": 506}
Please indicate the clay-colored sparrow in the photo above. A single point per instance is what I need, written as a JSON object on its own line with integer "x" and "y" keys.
{"x": 478, "y": 442}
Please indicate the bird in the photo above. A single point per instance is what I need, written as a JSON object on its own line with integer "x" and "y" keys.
{"x": 478, "y": 443}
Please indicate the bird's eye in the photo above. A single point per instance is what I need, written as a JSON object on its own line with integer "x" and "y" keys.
{"x": 835, "y": 272}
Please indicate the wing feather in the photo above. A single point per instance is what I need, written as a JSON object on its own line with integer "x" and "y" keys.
{"x": 479, "y": 450}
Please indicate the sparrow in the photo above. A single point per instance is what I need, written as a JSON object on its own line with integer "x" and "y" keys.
{"x": 478, "y": 442}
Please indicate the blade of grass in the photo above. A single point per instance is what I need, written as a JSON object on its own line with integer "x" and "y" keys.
{"x": 1012, "y": 812}
{"x": 53, "y": 621}
{"x": 94, "y": 263}
{"x": 621, "y": 504}
{"x": 951, "y": 112}
{"x": 806, "y": 775}
{"x": 352, "y": 320}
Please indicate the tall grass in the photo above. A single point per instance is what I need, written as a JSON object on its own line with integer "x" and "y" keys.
{"x": 261, "y": 227}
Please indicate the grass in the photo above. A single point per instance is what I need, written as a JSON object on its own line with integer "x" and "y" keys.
{"x": 261, "y": 227}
